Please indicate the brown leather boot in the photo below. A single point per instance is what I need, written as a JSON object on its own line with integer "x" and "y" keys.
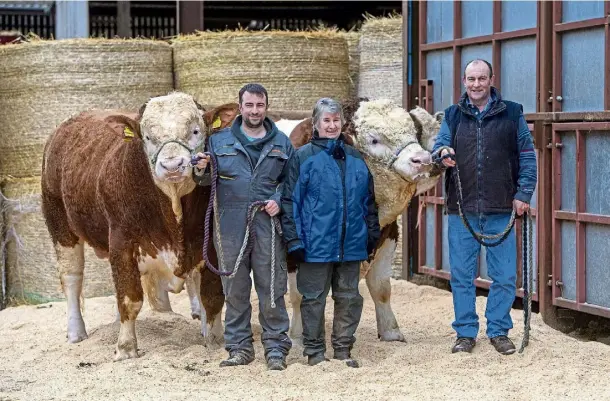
{"x": 503, "y": 345}
{"x": 463, "y": 344}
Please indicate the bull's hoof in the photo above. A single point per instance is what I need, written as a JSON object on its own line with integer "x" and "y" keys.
{"x": 196, "y": 316}
{"x": 213, "y": 341}
{"x": 122, "y": 354}
{"x": 212, "y": 336}
{"x": 76, "y": 331}
{"x": 76, "y": 337}
{"x": 392, "y": 335}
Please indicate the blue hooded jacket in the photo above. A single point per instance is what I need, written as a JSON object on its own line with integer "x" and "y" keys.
{"x": 328, "y": 203}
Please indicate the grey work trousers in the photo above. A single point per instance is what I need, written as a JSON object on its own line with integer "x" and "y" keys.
{"x": 314, "y": 281}
{"x": 274, "y": 321}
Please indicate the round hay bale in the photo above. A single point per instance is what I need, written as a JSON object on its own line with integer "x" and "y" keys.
{"x": 45, "y": 82}
{"x": 30, "y": 256}
{"x": 381, "y": 74}
{"x": 296, "y": 68}
{"x": 353, "y": 47}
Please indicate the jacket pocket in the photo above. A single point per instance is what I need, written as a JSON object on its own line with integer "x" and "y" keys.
{"x": 227, "y": 159}
{"x": 277, "y": 160}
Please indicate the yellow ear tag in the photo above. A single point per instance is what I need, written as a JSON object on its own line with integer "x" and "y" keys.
{"x": 217, "y": 123}
{"x": 128, "y": 134}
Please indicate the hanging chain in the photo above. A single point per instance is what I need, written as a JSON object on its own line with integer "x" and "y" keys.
{"x": 528, "y": 278}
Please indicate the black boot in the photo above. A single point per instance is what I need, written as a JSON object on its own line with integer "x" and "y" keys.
{"x": 463, "y": 344}
{"x": 345, "y": 355}
{"x": 316, "y": 359}
{"x": 503, "y": 345}
{"x": 276, "y": 363}
{"x": 237, "y": 358}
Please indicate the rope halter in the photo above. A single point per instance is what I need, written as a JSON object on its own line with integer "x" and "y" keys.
{"x": 396, "y": 154}
{"x": 192, "y": 151}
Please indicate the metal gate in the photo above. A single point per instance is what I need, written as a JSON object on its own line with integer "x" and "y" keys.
{"x": 581, "y": 216}
{"x": 580, "y": 207}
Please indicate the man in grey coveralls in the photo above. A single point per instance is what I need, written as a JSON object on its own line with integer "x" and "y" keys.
{"x": 251, "y": 154}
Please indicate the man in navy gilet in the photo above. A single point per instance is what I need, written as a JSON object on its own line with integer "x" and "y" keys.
{"x": 492, "y": 146}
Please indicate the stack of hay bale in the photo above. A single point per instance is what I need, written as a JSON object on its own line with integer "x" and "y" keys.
{"x": 381, "y": 76}
{"x": 353, "y": 48}
{"x": 381, "y": 70}
{"x": 44, "y": 83}
{"x": 296, "y": 68}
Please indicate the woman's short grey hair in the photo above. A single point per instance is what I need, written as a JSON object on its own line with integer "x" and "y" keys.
{"x": 327, "y": 105}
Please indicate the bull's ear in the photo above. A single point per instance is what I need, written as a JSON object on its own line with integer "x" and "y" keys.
{"x": 220, "y": 117}
{"x": 415, "y": 116}
{"x": 141, "y": 111}
{"x": 301, "y": 134}
{"x": 126, "y": 124}
{"x": 439, "y": 116}
{"x": 349, "y": 140}
{"x": 200, "y": 108}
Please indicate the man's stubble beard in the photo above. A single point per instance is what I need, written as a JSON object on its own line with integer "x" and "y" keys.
{"x": 253, "y": 126}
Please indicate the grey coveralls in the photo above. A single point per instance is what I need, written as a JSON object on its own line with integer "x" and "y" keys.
{"x": 240, "y": 183}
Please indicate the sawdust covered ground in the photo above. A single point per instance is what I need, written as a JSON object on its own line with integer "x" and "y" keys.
{"x": 37, "y": 364}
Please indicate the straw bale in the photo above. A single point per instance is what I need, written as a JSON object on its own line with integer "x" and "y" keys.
{"x": 31, "y": 262}
{"x": 296, "y": 68}
{"x": 381, "y": 74}
{"x": 45, "y": 82}
{"x": 353, "y": 47}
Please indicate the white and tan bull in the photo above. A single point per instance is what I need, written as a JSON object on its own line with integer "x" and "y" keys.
{"x": 396, "y": 146}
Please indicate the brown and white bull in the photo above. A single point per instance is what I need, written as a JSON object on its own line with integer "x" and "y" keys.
{"x": 121, "y": 182}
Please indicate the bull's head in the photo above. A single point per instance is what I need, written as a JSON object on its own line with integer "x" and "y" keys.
{"x": 174, "y": 128}
{"x": 387, "y": 134}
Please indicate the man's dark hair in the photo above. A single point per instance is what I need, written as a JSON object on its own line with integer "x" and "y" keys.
{"x": 254, "y": 88}
{"x": 491, "y": 71}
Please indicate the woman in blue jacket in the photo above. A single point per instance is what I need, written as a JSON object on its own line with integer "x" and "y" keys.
{"x": 330, "y": 224}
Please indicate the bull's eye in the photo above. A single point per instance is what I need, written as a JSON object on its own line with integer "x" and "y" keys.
{"x": 147, "y": 137}
{"x": 196, "y": 132}
{"x": 375, "y": 141}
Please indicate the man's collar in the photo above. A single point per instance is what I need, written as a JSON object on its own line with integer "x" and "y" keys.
{"x": 492, "y": 98}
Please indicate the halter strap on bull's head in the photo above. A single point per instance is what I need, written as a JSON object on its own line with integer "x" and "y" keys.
{"x": 192, "y": 151}
{"x": 396, "y": 154}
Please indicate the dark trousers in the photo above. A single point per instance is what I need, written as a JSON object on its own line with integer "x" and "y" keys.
{"x": 314, "y": 280}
